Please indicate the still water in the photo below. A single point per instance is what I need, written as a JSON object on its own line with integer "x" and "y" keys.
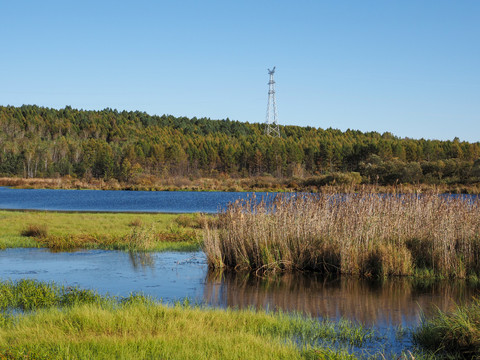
{"x": 117, "y": 201}
{"x": 129, "y": 201}
{"x": 172, "y": 276}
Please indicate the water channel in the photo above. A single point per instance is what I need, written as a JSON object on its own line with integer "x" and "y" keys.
{"x": 172, "y": 276}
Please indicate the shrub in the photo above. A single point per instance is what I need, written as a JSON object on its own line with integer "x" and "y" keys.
{"x": 37, "y": 231}
{"x": 136, "y": 222}
{"x": 187, "y": 220}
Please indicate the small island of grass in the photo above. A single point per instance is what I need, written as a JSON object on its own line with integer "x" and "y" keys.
{"x": 61, "y": 231}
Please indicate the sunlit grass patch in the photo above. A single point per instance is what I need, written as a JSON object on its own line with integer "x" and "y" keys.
{"x": 29, "y": 294}
{"x": 116, "y": 231}
{"x": 138, "y": 239}
{"x": 74, "y": 323}
{"x": 17, "y": 241}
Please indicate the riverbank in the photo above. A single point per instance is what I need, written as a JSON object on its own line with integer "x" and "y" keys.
{"x": 116, "y": 231}
{"x": 337, "y": 182}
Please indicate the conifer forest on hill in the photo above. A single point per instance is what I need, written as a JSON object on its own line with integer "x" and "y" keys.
{"x": 38, "y": 142}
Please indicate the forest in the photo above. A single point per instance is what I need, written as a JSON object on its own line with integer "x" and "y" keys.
{"x": 39, "y": 142}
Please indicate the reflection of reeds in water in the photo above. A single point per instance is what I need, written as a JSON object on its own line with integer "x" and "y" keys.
{"x": 364, "y": 233}
{"x": 141, "y": 259}
{"x": 393, "y": 302}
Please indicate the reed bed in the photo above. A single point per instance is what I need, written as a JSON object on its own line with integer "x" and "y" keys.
{"x": 338, "y": 181}
{"x": 365, "y": 233}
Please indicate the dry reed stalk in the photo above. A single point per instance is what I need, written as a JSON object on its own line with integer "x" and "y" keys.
{"x": 356, "y": 233}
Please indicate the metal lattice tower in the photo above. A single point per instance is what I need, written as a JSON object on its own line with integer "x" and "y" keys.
{"x": 271, "y": 125}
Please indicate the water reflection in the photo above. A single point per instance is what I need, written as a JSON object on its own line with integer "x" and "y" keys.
{"x": 173, "y": 276}
{"x": 141, "y": 260}
{"x": 384, "y": 303}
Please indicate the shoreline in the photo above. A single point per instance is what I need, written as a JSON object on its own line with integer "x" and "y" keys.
{"x": 105, "y": 212}
{"x": 226, "y": 184}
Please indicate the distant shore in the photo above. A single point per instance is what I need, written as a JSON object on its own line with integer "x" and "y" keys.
{"x": 325, "y": 183}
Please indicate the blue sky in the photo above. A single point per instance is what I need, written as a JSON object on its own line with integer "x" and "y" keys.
{"x": 408, "y": 67}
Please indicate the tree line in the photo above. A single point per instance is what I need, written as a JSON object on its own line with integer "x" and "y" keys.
{"x": 108, "y": 144}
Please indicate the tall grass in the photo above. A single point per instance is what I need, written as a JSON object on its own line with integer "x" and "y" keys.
{"x": 456, "y": 333}
{"x": 144, "y": 331}
{"x": 352, "y": 233}
{"x": 28, "y": 294}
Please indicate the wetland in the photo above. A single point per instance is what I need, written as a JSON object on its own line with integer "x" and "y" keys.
{"x": 170, "y": 269}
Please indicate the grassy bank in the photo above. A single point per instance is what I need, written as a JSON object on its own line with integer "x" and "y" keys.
{"x": 452, "y": 334}
{"x": 329, "y": 182}
{"x": 363, "y": 234}
{"x": 67, "y": 231}
{"x": 57, "y": 323}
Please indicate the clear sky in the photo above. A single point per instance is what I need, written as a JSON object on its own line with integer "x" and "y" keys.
{"x": 410, "y": 67}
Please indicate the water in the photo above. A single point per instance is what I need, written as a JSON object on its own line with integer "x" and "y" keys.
{"x": 169, "y": 276}
{"x": 117, "y": 201}
{"x": 174, "y": 276}
{"x": 127, "y": 201}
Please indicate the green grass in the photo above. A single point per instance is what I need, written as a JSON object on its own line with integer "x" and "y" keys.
{"x": 59, "y": 323}
{"x": 27, "y": 294}
{"x": 455, "y": 334}
{"x": 140, "y": 331}
{"x": 124, "y": 231}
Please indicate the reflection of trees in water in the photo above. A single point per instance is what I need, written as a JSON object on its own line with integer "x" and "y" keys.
{"x": 141, "y": 259}
{"x": 389, "y": 302}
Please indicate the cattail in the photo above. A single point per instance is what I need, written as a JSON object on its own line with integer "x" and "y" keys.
{"x": 362, "y": 233}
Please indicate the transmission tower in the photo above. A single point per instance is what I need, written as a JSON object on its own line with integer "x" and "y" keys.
{"x": 271, "y": 125}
